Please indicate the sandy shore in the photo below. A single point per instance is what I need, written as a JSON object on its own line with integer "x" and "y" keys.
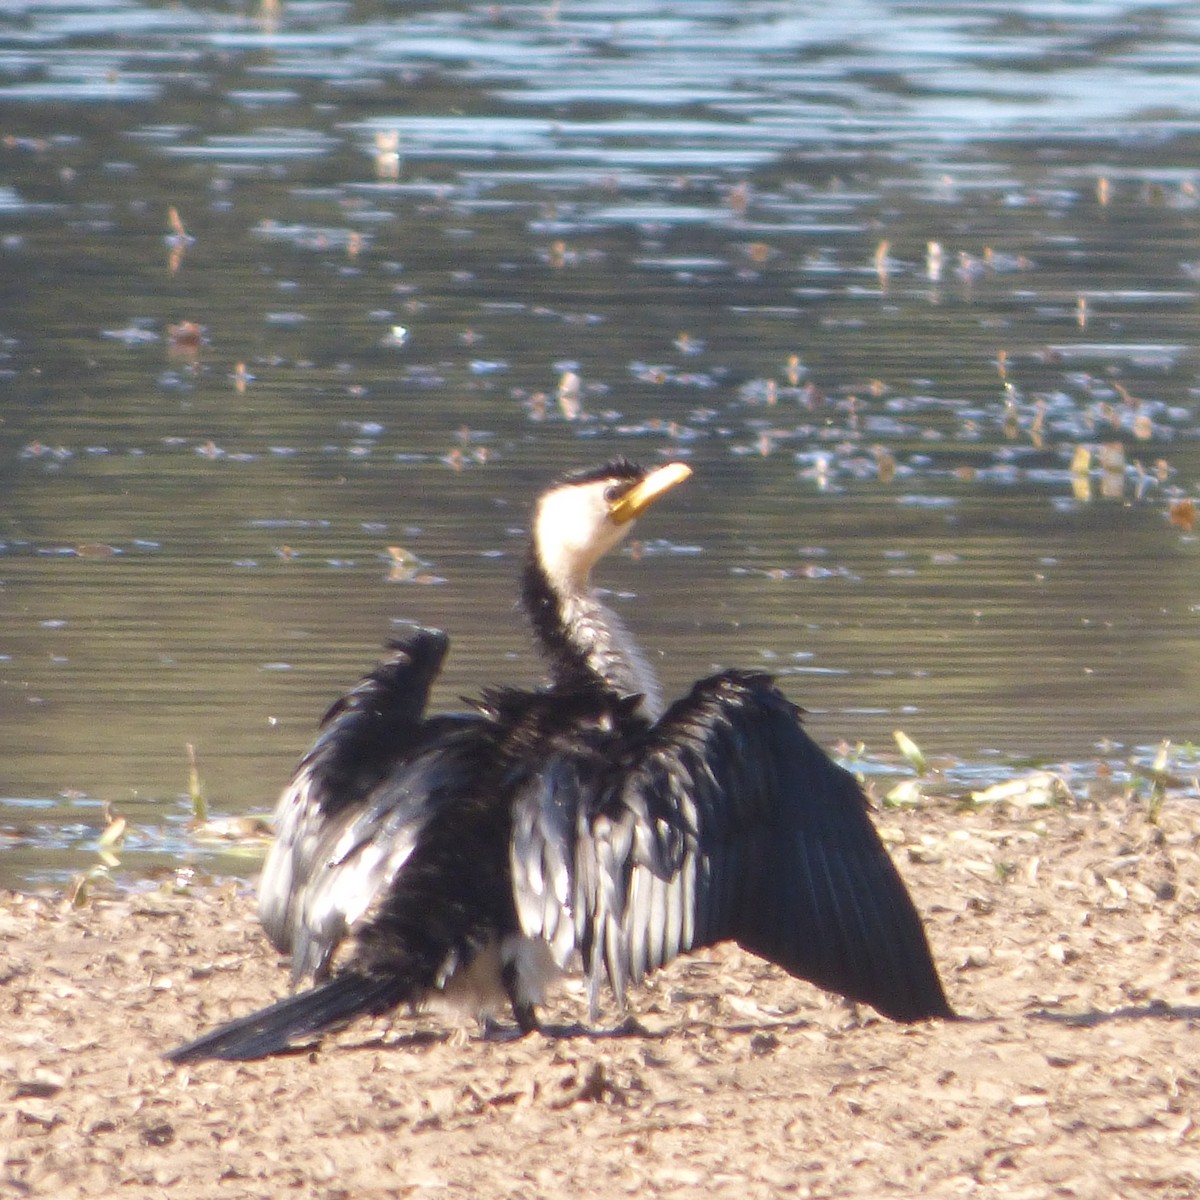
{"x": 1067, "y": 938}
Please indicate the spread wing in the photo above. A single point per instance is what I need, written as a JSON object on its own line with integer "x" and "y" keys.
{"x": 329, "y": 814}
{"x": 727, "y": 822}
{"x": 362, "y": 854}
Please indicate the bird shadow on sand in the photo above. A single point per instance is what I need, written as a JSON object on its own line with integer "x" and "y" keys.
{"x": 1156, "y": 1010}
{"x": 628, "y": 1030}
{"x": 391, "y": 1039}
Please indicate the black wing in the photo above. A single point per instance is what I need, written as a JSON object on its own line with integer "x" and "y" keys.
{"x": 322, "y": 812}
{"x": 416, "y": 881}
{"x": 413, "y": 877}
{"x": 730, "y": 823}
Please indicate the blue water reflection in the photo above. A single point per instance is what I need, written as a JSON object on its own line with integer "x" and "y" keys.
{"x": 290, "y": 296}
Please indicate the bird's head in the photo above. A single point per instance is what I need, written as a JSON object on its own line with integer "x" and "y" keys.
{"x": 585, "y": 514}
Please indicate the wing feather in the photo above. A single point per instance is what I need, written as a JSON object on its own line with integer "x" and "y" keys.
{"x": 727, "y": 821}
{"x": 544, "y": 884}
{"x": 641, "y": 908}
{"x": 354, "y": 810}
{"x": 369, "y": 850}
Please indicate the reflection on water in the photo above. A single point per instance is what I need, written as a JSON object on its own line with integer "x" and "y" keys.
{"x": 300, "y": 307}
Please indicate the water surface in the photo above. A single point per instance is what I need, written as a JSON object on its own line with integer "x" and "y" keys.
{"x": 288, "y": 295}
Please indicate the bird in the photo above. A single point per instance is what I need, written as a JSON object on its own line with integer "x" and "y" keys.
{"x": 474, "y": 857}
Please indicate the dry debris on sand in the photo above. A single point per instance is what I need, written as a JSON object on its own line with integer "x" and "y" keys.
{"x": 1067, "y": 938}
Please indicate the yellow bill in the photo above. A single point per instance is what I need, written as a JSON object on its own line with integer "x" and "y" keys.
{"x": 639, "y": 497}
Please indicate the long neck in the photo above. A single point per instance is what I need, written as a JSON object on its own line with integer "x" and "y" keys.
{"x": 585, "y": 642}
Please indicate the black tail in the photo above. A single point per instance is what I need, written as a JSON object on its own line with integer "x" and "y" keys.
{"x": 272, "y": 1029}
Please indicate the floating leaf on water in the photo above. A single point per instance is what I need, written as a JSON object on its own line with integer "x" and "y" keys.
{"x": 569, "y": 387}
{"x": 178, "y": 242}
{"x": 881, "y": 260}
{"x": 1012, "y": 417}
{"x": 1182, "y": 514}
{"x": 403, "y": 565}
{"x": 1039, "y": 417}
{"x": 911, "y": 751}
{"x": 885, "y": 463}
{"x": 386, "y": 154}
{"x": 560, "y": 255}
{"x": 186, "y": 338}
{"x": 934, "y": 260}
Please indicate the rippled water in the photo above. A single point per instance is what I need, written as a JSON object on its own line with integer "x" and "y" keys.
{"x": 290, "y": 291}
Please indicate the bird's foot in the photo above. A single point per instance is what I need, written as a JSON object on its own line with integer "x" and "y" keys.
{"x": 492, "y": 1031}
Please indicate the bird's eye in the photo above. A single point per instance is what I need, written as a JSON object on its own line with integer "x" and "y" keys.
{"x": 613, "y": 492}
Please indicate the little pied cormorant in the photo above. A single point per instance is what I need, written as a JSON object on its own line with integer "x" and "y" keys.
{"x": 474, "y": 855}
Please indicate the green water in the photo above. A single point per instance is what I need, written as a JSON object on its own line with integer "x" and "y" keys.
{"x": 718, "y": 216}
